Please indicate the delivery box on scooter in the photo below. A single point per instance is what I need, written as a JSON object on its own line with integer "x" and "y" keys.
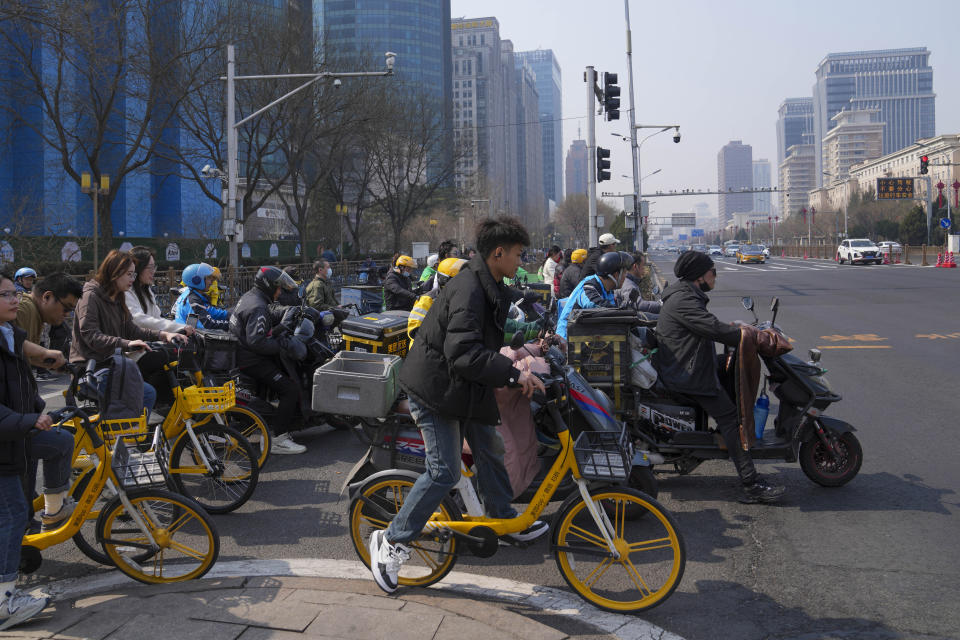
{"x": 354, "y": 383}
{"x": 599, "y": 350}
{"x": 376, "y": 333}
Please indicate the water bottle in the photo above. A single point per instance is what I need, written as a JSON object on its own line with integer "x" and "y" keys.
{"x": 760, "y": 412}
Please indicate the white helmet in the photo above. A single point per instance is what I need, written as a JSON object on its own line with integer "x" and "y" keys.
{"x": 432, "y": 260}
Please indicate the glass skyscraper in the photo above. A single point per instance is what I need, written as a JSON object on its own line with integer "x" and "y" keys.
{"x": 418, "y": 31}
{"x": 549, "y": 88}
{"x": 897, "y": 82}
{"x": 734, "y": 172}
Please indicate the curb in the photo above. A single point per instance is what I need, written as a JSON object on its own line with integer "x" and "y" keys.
{"x": 548, "y": 599}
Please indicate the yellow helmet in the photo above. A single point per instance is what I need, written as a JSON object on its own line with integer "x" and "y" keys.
{"x": 578, "y": 256}
{"x": 216, "y": 274}
{"x": 406, "y": 261}
{"x": 448, "y": 268}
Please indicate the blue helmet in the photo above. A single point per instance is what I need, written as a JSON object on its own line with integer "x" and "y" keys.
{"x": 195, "y": 275}
{"x": 24, "y": 272}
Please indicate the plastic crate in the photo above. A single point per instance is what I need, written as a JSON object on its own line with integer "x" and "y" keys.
{"x": 376, "y": 333}
{"x": 603, "y": 455}
{"x": 354, "y": 383}
{"x": 218, "y": 350}
{"x": 132, "y": 428}
{"x": 209, "y": 399}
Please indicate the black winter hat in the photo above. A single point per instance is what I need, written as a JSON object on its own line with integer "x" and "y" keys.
{"x": 691, "y": 265}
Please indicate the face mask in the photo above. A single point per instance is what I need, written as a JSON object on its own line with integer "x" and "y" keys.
{"x": 704, "y": 286}
{"x": 329, "y": 272}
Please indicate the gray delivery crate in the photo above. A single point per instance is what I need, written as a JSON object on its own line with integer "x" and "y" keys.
{"x": 355, "y": 383}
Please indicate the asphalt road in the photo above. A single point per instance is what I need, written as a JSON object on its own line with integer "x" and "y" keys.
{"x": 877, "y": 558}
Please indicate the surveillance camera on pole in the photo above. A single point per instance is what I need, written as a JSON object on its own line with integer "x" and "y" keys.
{"x": 207, "y": 171}
{"x": 676, "y": 135}
{"x": 337, "y": 82}
{"x": 391, "y": 59}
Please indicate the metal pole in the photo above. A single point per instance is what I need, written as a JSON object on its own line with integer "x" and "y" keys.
{"x": 634, "y": 148}
{"x": 96, "y": 226}
{"x": 230, "y": 224}
{"x": 929, "y": 206}
{"x": 591, "y": 77}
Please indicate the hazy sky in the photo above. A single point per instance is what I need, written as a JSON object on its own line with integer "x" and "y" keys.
{"x": 719, "y": 69}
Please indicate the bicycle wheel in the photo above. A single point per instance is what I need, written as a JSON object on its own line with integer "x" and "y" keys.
{"x": 187, "y": 540}
{"x": 431, "y": 557}
{"x": 651, "y": 548}
{"x": 249, "y": 423}
{"x": 232, "y": 477}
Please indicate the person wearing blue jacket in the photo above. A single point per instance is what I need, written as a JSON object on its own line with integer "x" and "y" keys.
{"x": 194, "y": 299}
{"x": 597, "y": 290}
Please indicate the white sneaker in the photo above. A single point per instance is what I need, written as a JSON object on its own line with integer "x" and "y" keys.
{"x": 283, "y": 444}
{"x": 17, "y": 607}
{"x": 386, "y": 559}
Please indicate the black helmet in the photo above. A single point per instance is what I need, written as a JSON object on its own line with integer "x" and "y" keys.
{"x": 613, "y": 261}
{"x": 269, "y": 278}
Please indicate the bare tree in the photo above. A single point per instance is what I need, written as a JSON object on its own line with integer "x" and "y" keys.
{"x": 412, "y": 158}
{"x": 110, "y": 78}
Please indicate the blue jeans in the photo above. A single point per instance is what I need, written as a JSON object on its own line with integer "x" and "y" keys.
{"x": 13, "y": 523}
{"x": 443, "y": 439}
{"x": 55, "y": 448}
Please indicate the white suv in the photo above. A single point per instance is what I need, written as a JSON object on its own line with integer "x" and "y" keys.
{"x": 859, "y": 250}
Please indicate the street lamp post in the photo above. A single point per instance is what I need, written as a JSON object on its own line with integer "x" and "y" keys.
{"x": 845, "y": 203}
{"x": 87, "y": 186}
{"x": 233, "y": 223}
{"x": 633, "y": 130}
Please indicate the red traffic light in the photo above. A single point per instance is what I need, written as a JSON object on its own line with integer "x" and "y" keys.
{"x": 924, "y": 159}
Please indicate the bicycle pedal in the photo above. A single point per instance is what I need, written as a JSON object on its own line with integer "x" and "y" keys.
{"x": 509, "y": 542}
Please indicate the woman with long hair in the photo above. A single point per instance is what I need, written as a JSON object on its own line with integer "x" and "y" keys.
{"x": 143, "y": 307}
{"x": 102, "y": 322}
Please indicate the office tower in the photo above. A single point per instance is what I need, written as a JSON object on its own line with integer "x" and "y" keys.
{"x": 897, "y": 82}
{"x": 797, "y": 178}
{"x": 549, "y": 89}
{"x": 532, "y": 203}
{"x": 761, "y": 180}
{"x": 734, "y": 172}
{"x": 856, "y": 137}
{"x": 794, "y": 126}
{"x": 577, "y": 168}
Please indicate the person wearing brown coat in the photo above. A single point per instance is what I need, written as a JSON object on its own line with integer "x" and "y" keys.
{"x": 102, "y": 323}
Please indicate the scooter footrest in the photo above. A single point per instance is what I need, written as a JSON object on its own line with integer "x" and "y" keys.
{"x": 694, "y": 438}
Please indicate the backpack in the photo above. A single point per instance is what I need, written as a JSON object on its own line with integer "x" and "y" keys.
{"x": 123, "y": 397}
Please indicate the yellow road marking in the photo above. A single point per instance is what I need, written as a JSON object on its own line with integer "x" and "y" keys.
{"x": 859, "y": 337}
{"x": 938, "y": 336}
{"x": 855, "y": 346}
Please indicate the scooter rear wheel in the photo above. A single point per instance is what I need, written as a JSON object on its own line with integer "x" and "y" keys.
{"x": 823, "y": 468}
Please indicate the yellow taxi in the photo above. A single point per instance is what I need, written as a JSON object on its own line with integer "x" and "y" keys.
{"x": 750, "y": 253}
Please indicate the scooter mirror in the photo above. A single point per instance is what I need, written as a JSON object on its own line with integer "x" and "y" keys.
{"x": 747, "y": 303}
{"x": 656, "y": 290}
{"x": 517, "y": 341}
{"x": 774, "y": 305}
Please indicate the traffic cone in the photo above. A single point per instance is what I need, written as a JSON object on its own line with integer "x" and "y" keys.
{"x": 886, "y": 258}
{"x": 939, "y": 260}
{"x": 896, "y": 258}
{"x": 783, "y": 252}
{"x": 804, "y": 254}
{"x": 950, "y": 263}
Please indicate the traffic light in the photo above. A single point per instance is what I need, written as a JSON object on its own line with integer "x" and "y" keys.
{"x": 924, "y": 162}
{"x": 611, "y": 96}
{"x": 603, "y": 164}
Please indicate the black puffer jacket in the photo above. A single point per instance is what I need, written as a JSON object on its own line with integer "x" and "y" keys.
{"x": 252, "y": 322}
{"x": 20, "y": 405}
{"x": 687, "y": 358}
{"x": 455, "y": 363}
{"x": 397, "y": 292}
{"x": 569, "y": 279}
{"x": 590, "y": 264}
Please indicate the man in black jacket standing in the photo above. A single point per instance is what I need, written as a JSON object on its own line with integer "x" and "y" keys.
{"x": 687, "y": 361}
{"x": 261, "y": 342}
{"x": 450, "y": 375}
{"x": 606, "y": 243}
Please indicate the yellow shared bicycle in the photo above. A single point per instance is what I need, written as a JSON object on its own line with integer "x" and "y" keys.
{"x": 615, "y": 546}
{"x": 150, "y": 534}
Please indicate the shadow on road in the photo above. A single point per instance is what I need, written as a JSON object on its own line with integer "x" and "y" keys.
{"x": 720, "y": 610}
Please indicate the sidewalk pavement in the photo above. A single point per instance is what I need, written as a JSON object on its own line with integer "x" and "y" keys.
{"x": 260, "y": 600}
